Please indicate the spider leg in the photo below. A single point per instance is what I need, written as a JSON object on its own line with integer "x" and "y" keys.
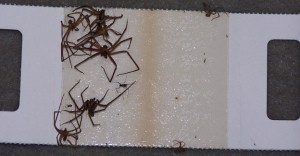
{"x": 62, "y": 47}
{"x": 76, "y": 129}
{"x": 109, "y": 103}
{"x": 75, "y": 138}
{"x": 218, "y": 15}
{"x": 76, "y": 116}
{"x": 74, "y": 53}
{"x": 55, "y": 120}
{"x": 112, "y": 30}
{"x": 182, "y": 144}
{"x": 85, "y": 61}
{"x": 71, "y": 95}
{"x": 176, "y": 143}
{"x": 117, "y": 43}
{"x": 87, "y": 19}
{"x": 70, "y": 111}
{"x": 114, "y": 17}
{"x": 69, "y": 142}
{"x": 127, "y": 39}
{"x": 107, "y": 41}
{"x": 57, "y": 139}
{"x": 56, "y": 116}
{"x": 101, "y": 105}
{"x": 104, "y": 96}
{"x": 221, "y": 9}
{"x": 76, "y": 106}
{"x": 91, "y": 11}
{"x": 82, "y": 94}
{"x": 111, "y": 23}
{"x": 69, "y": 55}
{"x": 84, "y": 37}
{"x": 119, "y": 85}
{"x": 93, "y": 122}
{"x": 126, "y": 52}
{"x": 115, "y": 64}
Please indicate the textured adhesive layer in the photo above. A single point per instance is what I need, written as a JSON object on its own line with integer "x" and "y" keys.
{"x": 181, "y": 89}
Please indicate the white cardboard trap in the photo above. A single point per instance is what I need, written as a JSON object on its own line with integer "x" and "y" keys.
{"x": 170, "y": 47}
{"x": 149, "y": 115}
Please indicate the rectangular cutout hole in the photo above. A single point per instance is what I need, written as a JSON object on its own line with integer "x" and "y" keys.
{"x": 283, "y": 86}
{"x": 10, "y": 69}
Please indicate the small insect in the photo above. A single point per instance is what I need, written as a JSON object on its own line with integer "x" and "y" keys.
{"x": 179, "y": 146}
{"x": 176, "y": 98}
{"x": 63, "y": 134}
{"x": 211, "y": 11}
{"x": 204, "y": 61}
{"x": 122, "y": 85}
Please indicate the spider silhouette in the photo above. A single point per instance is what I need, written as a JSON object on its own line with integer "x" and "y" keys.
{"x": 179, "y": 146}
{"x": 92, "y": 106}
{"x": 211, "y": 11}
{"x": 64, "y": 134}
{"x": 108, "y": 52}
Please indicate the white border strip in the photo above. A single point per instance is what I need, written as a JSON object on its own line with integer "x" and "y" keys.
{"x": 40, "y": 91}
{"x": 248, "y": 124}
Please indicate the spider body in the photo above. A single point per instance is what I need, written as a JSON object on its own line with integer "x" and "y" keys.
{"x": 179, "y": 146}
{"x": 92, "y": 106}
{"x": 211, "y": 11}
{"x": 108, "y": 52}
{"x": 64, "y": 134}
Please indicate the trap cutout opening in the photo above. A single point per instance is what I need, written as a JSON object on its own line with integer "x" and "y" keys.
{"x": 283, "y": 80}
{"x": 10, "y": 69}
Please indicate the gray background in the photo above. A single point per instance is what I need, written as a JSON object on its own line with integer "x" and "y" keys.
{"x": 283, "y": 73}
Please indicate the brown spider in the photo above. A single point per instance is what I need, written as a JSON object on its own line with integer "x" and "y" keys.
{"x": 179, "y": 146}
{"x": 64, "y": 134}
{"x": 100, "y": 15}
{"x": 91, "y": 105}
{"x": 97, "y": 30}
{"x": 65, "y": 43}
{"x": 211, "y": 11}
{"x": 98, "y": 27}
{"x": 107, "y": 52}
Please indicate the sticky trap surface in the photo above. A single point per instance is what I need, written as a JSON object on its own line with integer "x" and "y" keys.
{"x": 181, "y": 87}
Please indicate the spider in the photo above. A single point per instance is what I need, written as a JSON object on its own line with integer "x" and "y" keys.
{"x": 179, "y": 146}
{"x": 98, "y": 27}
{"x": 211, "y": 11}
{"x": 100, "y": 14}
{"x": 98, "y": 30}
{"x": 91, "y": 105}
{"x": 72, "y": 26}
{"x": 64, "y": 134}
{"x": 107, "y": 52}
